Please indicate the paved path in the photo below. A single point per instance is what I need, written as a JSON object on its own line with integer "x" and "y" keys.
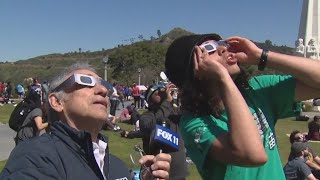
{"x": 6, "y": 141}
{"x": 6, "y": 136}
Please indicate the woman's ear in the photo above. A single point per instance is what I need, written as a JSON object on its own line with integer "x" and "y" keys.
{"x": 55, "y": 103}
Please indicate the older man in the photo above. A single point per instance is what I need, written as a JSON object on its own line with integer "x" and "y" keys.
{"x": 75, "y": 149}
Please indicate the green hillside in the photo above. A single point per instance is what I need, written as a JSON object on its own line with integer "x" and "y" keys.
{"x": 123, "y": 64}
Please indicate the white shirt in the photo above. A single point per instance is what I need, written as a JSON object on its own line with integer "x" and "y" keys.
{"x": 99, "y": 153}
{"x": 114, "y": 95}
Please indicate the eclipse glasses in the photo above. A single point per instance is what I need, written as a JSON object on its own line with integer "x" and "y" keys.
{"x": 84, "y": 80}
{"x": 211, "y": 46}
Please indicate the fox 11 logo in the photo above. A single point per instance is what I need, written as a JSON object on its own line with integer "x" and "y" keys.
{"x": 167, "y": 136}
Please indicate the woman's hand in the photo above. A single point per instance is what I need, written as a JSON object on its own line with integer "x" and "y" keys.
{"x": 206, "y": 68}
{"x": 155, "y": 166}
{"x": 246, "y": 51}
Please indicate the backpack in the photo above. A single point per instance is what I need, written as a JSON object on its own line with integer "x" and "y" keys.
{"x": 18, "y": 115}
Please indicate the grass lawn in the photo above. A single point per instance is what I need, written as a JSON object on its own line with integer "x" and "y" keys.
{"x": 123, "y": 147}
{"x": 2, "y": 163}
{"x": 5, "y": 112}
{"x": 286, "y": 126}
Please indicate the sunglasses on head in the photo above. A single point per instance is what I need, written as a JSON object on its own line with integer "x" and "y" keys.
{"x": 211, "y": 46}
{"x": 84, "y": 80}
{"x": 297, "y": 138}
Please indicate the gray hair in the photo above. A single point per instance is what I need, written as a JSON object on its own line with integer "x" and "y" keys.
{"x": 60, "y": 93}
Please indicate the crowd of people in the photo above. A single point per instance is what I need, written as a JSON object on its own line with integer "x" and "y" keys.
{"x": 225, "y": 119}
{"x": 8, "y": 90}
{"x": 5, "y": 92}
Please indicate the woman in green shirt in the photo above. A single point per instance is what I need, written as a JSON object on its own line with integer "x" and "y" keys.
{"x": 222, "y": 108}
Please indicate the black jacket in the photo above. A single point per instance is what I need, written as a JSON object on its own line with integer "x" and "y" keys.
{"x": 65, "y": 153}
{"x": 148, "y": 120}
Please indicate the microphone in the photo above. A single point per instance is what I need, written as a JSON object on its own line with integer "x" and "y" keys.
{"x": 163, "y": 140}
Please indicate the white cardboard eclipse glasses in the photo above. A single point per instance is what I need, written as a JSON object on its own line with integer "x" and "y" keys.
{"x": 211, "y": 46}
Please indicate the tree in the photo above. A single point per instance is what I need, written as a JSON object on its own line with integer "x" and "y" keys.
{"x": 132, "y": 40}
{"x": 124, "y": 59}
{"x": 140, "y": 37}
{"x": 159, "y": 33}
{"x": 268, "y": 43}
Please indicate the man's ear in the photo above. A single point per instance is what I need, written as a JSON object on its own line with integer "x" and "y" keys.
{"x": 55, "y": 103}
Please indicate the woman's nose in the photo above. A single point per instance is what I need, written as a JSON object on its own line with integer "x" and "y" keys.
{"x": 222, "y": 49}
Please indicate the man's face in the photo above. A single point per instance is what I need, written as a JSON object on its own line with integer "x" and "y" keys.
{"x": 306, "y": 152}
{"x": 223, "y": 56}
{"x": 158, "y": 96}
{"x": 35, "y": 81}
{"x": 85, "y": 106}
{"x": 299, "y": 137}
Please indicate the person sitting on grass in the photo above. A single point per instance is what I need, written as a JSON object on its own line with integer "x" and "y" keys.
{"x": 314, "y": 126}
{"x": 296, "y": 168}
{"x": 129, "y": 115}
{"x": 135, "y": 116}
{"x": 312, "y": 159}
{"x": 136, "y": 133}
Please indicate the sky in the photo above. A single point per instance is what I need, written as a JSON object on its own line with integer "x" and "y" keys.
{"x": 30, "y": 28}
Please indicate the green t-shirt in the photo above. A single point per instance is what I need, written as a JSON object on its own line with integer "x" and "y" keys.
{"x": 270, "y": 98}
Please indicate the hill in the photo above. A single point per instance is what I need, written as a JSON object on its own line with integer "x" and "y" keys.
{"x": 123, "y": 64}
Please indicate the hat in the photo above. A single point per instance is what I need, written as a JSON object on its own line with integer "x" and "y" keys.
{"x": 297, "y": 147}
{"x": 152, "y": 89}
{"x": 178, "y": 63}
